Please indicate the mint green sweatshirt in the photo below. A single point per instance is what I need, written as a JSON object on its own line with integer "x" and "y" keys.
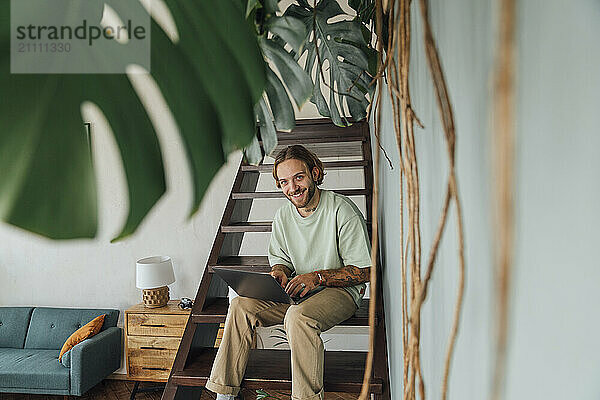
{"x": 335, "y": 235}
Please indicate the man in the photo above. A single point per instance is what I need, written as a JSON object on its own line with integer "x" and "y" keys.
{"x": 320, "y": 236}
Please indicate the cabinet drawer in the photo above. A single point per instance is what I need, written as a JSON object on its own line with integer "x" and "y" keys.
{"x": 153, "y": 343}
{"x": 139, "y": 371}
{"x": 156, "y": 324}
{"x": 151, "y": 357}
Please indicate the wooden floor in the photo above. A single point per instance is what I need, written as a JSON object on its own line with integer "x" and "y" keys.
{"x": 110, "y": 389}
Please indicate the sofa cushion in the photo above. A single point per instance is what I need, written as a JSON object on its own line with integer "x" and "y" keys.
{"x": 32, "y": 369}
{"x": 49, "y": 328}
{"x": 13, "y": 326}
{"x": 88, "y": 330}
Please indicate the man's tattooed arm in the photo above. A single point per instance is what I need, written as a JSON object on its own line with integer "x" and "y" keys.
{"x": 288, "y": 272}
{"x": 342, "y": 277}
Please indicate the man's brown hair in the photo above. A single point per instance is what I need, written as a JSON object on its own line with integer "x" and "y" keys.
{"x": 298, "y": 152}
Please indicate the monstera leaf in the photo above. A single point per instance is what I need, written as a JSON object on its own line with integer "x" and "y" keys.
{"x": 274, "y": 111}
{"x": 211, "y": 79}
{"x": 343, "y": 46}
{"x": 365, "y": 15}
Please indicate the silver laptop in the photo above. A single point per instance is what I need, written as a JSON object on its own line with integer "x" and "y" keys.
{"x": 259, "y": 285}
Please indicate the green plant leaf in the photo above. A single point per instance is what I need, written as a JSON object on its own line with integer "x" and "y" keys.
{"x": 195, "y": 114}
{"x": 267, "y": 130}
{"x": 365, "y": 10}
{"x": 271, "y": 6}
{"x": 342, "y": 45}
{"x": 365, "y": 14}
{"x": 253, "y": 153}
{"x": 47, "y": 184}
{"x": 275, "y": 111}
{"x": 233, "y": 75}
{"x": 279, "y": 113}
{"x": 261, "y": 394}
{"x": 283, "y": 111}
{"x": 37, "y": 169}
{"x": 291, "y": 30}
{"x": 296, "y": 79}
{"x": 250, "y": 6}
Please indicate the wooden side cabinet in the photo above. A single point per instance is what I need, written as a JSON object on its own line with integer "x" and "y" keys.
{"x": 152, "y": 340}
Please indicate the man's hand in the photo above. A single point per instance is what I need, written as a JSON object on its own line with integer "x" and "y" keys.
{"x": 280, "y": 275}
{"x": 302, "y": 284}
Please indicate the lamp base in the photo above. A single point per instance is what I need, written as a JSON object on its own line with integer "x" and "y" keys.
{"x": 157, "y": 297}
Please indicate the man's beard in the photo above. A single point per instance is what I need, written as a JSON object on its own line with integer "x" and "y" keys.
{"x": 311, "y": 192}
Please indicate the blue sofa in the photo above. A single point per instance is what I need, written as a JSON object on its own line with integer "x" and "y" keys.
{"x": 31, "y": 339}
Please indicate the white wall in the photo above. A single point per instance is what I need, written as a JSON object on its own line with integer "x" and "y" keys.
{"x": 554, "y": 351}
{"x": 556, "y": 322}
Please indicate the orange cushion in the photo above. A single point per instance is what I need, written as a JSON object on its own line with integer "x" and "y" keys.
{"x": 88, "y": 330}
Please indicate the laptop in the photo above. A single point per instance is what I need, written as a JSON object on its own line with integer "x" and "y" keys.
{"x": 259, "y": 285}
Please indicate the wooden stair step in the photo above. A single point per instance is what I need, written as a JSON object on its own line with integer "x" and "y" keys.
{"x": 247, "y": 227}
{"x": 325, "y": 149}
{"x": 266, "y": 226}
{"x": 261, "y": 227}
{"x": 270, "y": 369}
{"x": 268, "y": 168}
{"x": 319, "y": 128}
{"x": 217, "y": 311}
{"x": 280, "y": 195}
{"x": 254, "y": 263}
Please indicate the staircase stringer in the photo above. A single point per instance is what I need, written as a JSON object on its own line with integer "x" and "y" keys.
{"x": 235, "y": 211}
{"x": 380, "y": 355}
{"x": 209, "y": 288}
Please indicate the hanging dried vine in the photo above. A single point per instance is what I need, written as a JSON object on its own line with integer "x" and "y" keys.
{"x": 364, "y": 394}
{"x": 503, "y": 172}
{"x": 447, "y": 116}
{"x": 414, "y": 285}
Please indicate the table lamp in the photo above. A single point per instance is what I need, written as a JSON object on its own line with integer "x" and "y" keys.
{"x": 153, "y": 274}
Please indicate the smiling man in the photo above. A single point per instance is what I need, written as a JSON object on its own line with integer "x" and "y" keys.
{"x": 320, "y": 238}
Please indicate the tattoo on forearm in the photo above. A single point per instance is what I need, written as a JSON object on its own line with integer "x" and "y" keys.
{"x": 346, "y": 276}
{"x": 283, "y": 268}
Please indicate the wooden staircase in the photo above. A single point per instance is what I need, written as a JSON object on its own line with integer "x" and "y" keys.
{"x": 270, "y": 369}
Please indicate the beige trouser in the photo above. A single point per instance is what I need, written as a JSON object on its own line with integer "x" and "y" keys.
{"x": 303, "y": 324}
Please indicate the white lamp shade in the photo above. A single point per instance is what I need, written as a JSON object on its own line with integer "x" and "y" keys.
{"x": 154, "y": 272}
